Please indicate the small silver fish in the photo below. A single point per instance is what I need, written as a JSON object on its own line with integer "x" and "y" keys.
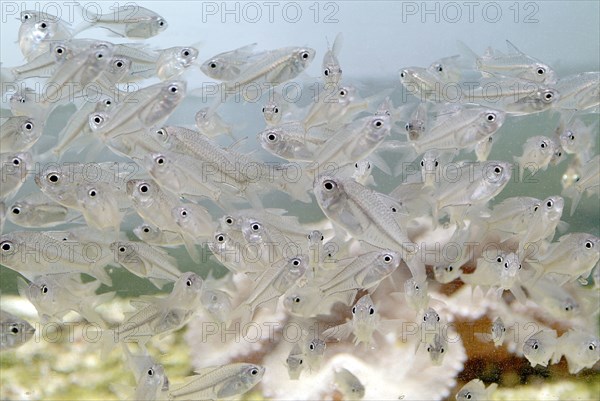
{"x": 295, "y": 362}
{"x": 475, "y": 391}
{"x": 581, "y": 350}
{"x": 348, "y": 384}
{"x": 227, "y": 66}
{"x": 13, "y": 169}
{"x": 540, "y": 347}
{"x": 14, "y": 331}
{"x": 173, "y": 61}
{"x": 332, "y": 71}
{"x": 314, "y": 349}
{"x": 437, "y": 349}
{"x": 37, "y": 210}
{"x": 131, "y": 21}
{"x": 18, "y": 134}
{"x": 365, "y": 321}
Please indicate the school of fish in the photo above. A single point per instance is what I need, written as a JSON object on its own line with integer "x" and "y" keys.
{"x": 353, "y": 273}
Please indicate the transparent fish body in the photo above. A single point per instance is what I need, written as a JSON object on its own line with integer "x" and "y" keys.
{"x": 334, "y": 107}
{"x": 588, "y": 183}
{"x": 277, "y": 108}
{"x": 146, "y": 261}
{"x": 348, "y": 384}
{"x": 331, "y": 69}
{"x": 303, "y": 301}
{"x": 416, "y": 126}
{"x": 544, "y": 221}
{"x": 227, "y": 66}
{"x": 498, "y": 332}
{"x": 577, "y": 138}
{"x": 211, "y": 124}
{"x": 579, "y": 92}
{"x": 295, "y": 362}
{"x": 14, "y": 169}
{"x": 152, "y": 384}
{"x": 415, "y": 293}
{"x": 581, "y": 350}
{"x": 540, "y": 347}
{"x": 515, "y": 64}
{"x": 437, "y": 349}
{"x": 26, "y": 102}
{"x": 14, "y": 331}
{"x": 475, "y": 391}
{"x": 19, "y": 134}
{"x": 537, "y": 153}
{"x": 514, "y": 215}
{"x": 36, "y": 35}
{"x": 460, "y": 128}
{"x": 496, "y": 268}
{"x": 484, "y": 148}
{"x": 234, "y": 255}
{"x": 574, "y": 255}
{"x": 131, "y": 21}
{"x": 314, "y": 349}
{"x": 102, "y": 204}
{"x": 218, "y": 382}
{"x": 173, "y": 61}
{"x": 362, "y": 173}
{"x": 365, "y": 321}
{"x": 563, "y": 304}
{"x": 37, "y": 210}
{"x": 152, "y": 203}
{"x": 290, "y": 141}
{"x": 422, "y": 83}
{"x": 55, "y": 295}
{"x": 446, "y": 273}
{"x": 217, "y": 303}
{"x": 448, "y": 69}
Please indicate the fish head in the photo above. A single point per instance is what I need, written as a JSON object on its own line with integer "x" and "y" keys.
{"x": 16, "y": 331}
{"x": 540, "y": 72}
{"x": 52, "y": 180}
{"x": 42, "y": 290}
{"x": 142, "y": 192}
{"x": 329, "y": 191}
{"x": 188, "y": 286}
{"x": 119, "y": 67}
{"x": 221, "y": 244}
{"x": 568, "y": 140}
{"x": 437, "y": 349}
{"x": 303, "y": 57}
{"x": 378, "y": 127}
{"x": 548, "y": 96}
{"x": 387, "y": 262}
{"x": 588, "y": 247}
{"x": 490, "y": 121}
{"x": 185, "y": 56}
{"x": 272, "y": 112}
{"x": 431, "y": 317}
{"x": 216, "y": 68}
{"x": 248, "y": 376}
{"x": 146, "y": 232}
{"x": 364, "y": 310}
{"x": 552, "y": 208}
{"x": 253, "y": 230}
{"x": 509, "y": 269}
{"x": 446, "y": 273}
{"x": 272, "y": 139}
{"x": 496, "y": 174}
{"x": 315, "y": 238}
{"x": 98, "y": 120}
{"x": 332, "y": 72}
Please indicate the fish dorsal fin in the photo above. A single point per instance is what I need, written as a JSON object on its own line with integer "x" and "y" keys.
{"x": 512, "y": 48}
{"x": 337, "y": 44}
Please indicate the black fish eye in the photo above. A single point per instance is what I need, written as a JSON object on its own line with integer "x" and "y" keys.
{"x": 161, "y": 22}
{"x": 14, "y": 329}
{"x": 354, "y": 310}
{"x": 150, "y": 372}
{"x": 311, "y": 346}
{"x": 428, "y": 349}
{"x": 506, "y": 265}
{"x": 186, "y": 52}
{"x": 161, "y": 132}
{"x": 548, "y": 96}
{"x": 98, "y": 120}
{"x": 497, "y": 170}
{"x": 263, "y": 109}
{"x": 436, "y": 163}
{"x": 468, "y": 396}
{"x": 371, "y": 311}
{"x": 6, "y": 246}
{"x": 26, "y": 16}
{"x": 255, "y": 227}
{"x": 387, "y": 258}
{"x": 213, "y": 65}
{"x": 254, "y": 372}
{"x": 296, "y": 262}
{"x": 535, "y": 346}
{"x": 188, "y": 283}
{"x": 16, "y": 161}
{"x": 272, "y": 137}
{"x": 422, "y": 163}
{"x": 589, "y": 244}
{"x": 144, "y": 188}
{"x": 297, "y": 300}
{"x": 305, "y": 55}
{"x": 572, "y": 137}
{"x": 591, "y": 347}
{"x": 146, "y": 229}
{"x": 276, "y": 110}
{"x": 44, "y": 289}
{"x": 183, "y": 213}
{"x": 52, "y": 177}
{"x": 549, "y": 203}
{"x": 355, "y": 165}
{"x": 402, "y": 74}
{"x": 43, "y": 25}
{"x": 16, "y": 210}
{"x": 450, "y": 268}
{"x": 329, "y": 185}
{"x": 541, "y": 71}
{"x": 326, "y": 72}
{"x": 378, "y": 123}
{"x": 442, "y": 350}
{"x": 220, "y": 238}
{"x": 394, "y": 210}
{"x": 343, "y": 93}
{"x": 543, "y": 145}
{"x": 499, "y": 259}
{"x": 229, "y": 220}
{"x": 122, "y": 249}
{"x": 119, "y": 63}
{"x": 92, "y": 193}
{"x": 491, "y": 117}
{"x": 28, "y": 126}
{"x": 99, "y": 55}
{"x": 173, "y": 89}
{"x": 160, "y": 161}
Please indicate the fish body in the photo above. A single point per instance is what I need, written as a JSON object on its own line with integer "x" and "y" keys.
{"x": 540, "y": 347}
{"x": 37, "y": 210}
{"x": 581, "y": 350}
{"x": 14, "y": 169}
{"x": 331, "y": 69}
{"x": 131, "y": 21}
{"x": 14, "y": 331}
{"x": 475, "y": 391}
{"x": 173, "y": 61}
{"x": 348, "y": 384}
{"x": 19, "y": 134}
{"x": 295, "y": 362}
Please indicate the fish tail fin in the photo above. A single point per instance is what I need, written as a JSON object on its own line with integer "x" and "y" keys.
{"x": 575, "y": 195}
{"x": 100, "y": 273}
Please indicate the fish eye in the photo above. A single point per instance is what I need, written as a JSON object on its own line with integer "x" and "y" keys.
{"x": 378, "y": 123}
{"x": 436, "y": 163}
{"x": 188, "y": 282}
{"x": 263, "y": 109}
{"x": 99, "y": 55}
{"x": 52, "y": 177}
{"x": 354, "y": 310}
{"x": 343, "y": 92}
{"x": 425, "y": 318}
{"x": 185, "y": 52}
{"x": 326, "y": 72}
{"x": 160, "y": 160}
{"x": 541, "y": 71}
{"x": 296, "y": 262}
{"x": 271, "y": 137}
{"x": 300, "y": 361}
{"x": 355, "y": 165}
{"x": 387, "y": 258}
{"x": 329, "y": 185}
{"x": 14, "y": 329}
{"x": 520, "y": 266}
{"x": 59, "y": 50}
{"x": 144, "y": 188}
{"x": 98, "y": 120}
{"x": 499, "y": 259}
{"x": 468, "y": 396}
{"x": 407, "y": 127}
{"x": 591, "y": 347}
{"x": 220, "y": 238}
{"x": 183, "y": 213}
{"x": 161, "y": 22}
{"x": 438, "y": 318}
{"x": 402, "y": 74}
{"x": 572, "y": 137}
{"x": 27, "y": 16}
{"x": 122, "y": 249}
{"x": 161, "y": 132}
{"x": 491, "y": 117}
{"x": 254, "y": 372}
{"x": 535, "y": 346}
{"x": 43, "y": 25}
{"x": 422, "y": 163}
{"x": 535, "y": 208}
{"x": 297, "y": 300}
{"x": 173, "y": 89}
{"x": 16, "y": 210}
{"x": 368, "y": 166}
{"x": 150, "y": 372}
{"x": 119, "y": 63}
{"x": 92, "y": 193}
{"x": 497, "y": 170}
{"x": 213, "y": 65}
{"x": 449, "y": 268}
{"x": 589, "y": 244}
{"x": 146, "y": 229}
{"x": 506, "y": 265}
{"x": 428, "y": 349}
{"x": 255, "y": 227}
{"x": 438, "y": 67}
{"x": 393, "y": 209}
{"x": 305, "y": 55}
{"x": 371, "y": 311}
{"x": 16, "y": 161}
{"x": 107, "y": 102}
{"x": 442, "y": 350}
{"x": 6, "y": 246}
{"x": 543, "y": 145}
{"x": 229, "y": 220}
{"x": 44, "y": 289}
{"x": 549, "y": 203}
{"x": 311, "y": 346}
{"x": 548, "y": 96}
{"x": 276, "y": 110}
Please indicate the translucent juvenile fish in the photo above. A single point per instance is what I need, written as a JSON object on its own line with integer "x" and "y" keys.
{"x": 227, "y": 66}
{"x": 332, "y": 71}
{"x": 19, "y": 134}
{"x": 475, "y": 391}
{"x": 540, "y": 347}
{"x": 574, "y": 255}
{"x": 543, "y": 223}
{"x": 430, "y": 168}
{"x": 516, "y": 64}
{"x": 14, "y": 169}
{"x": 14, "y": 331}
{"x": 365, "y": 214}
{"x": 153, "y": 204}
{"x": 211, "y": 124}
{"x": 173, "y": 61}
{"x": 579, "y": 92}
{"x": 146, "y": 261}
{"x": 314, "y": 349}
{"x": 26, "y": 102}
{"x": 217, "y": 303}
{"x": 437, "y": 349}
{"x": 45, "y": 64}
{"x": 588, "y": 183}
{"x": 195, "y": 223}
{"x": 302, "y": 301}
{"x": 152, "y": 383}
{"x": 55, "y": 295}
{"x": 131, "y": 21}
{"x": 37, "y": 210}
{"x": 497, "y": 269}
{"x": 362, "y": 173}
{"x": 498, "y": 331}
{"x": 537, "y": 153}
{"x": 365, "y": 321}
{"x": 295, "y": 362}
{"x": 161, "y": 315}
{"x": 289, "y": 141}
{"x": 335, "y": 107}
{"x": 37, "y": 32}
{"x": 277, "y": 108}
{"x": 581, "y": 350}
{"x": 348, "y": 384}
{"x": 484, "y": 148}
{"x": 101, "y": 204}
{"x": 424, "y": 84}
{"x": 578, "y": 138}
{"x": 417, "y": 125}
{"x": 217, "y": 382}
{"x": 446, "y": 273}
